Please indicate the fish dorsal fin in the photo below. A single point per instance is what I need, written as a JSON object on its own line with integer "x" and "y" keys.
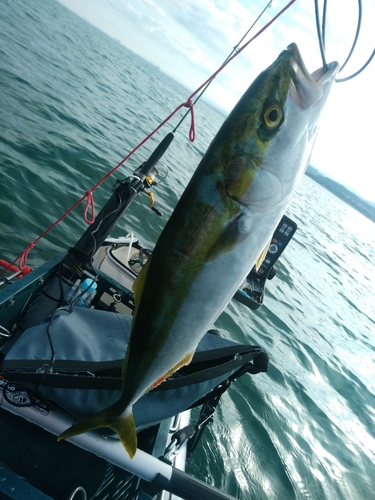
{"x": 139, "y": 282}
{"x": 262, "y": 256}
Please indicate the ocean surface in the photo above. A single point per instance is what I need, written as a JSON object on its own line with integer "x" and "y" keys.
{"x": 73, "y": 103}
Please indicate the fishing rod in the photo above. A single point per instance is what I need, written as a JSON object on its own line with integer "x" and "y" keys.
{"x": 321, "y": 29}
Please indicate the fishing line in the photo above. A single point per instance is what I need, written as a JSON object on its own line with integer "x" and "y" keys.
{"x": 359, "y": 71}
{"x": 234, "y": 50}
{"x": 321, "y": 30}
{"x": 321, "y": 34}
{"x": 239, "y": 50}
{"x": 359, "y": 22}
{"x": 324, "y": 18}
{"x": 340, "y": 80}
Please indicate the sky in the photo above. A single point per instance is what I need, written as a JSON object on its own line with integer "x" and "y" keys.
{"x": 189, "y": 40}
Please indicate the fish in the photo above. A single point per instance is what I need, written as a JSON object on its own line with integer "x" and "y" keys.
{"x": 223, "y": 221}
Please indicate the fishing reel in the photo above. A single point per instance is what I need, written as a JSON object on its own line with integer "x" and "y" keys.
{"x": 148, "y": 182}
{"x": 148, "y": 170}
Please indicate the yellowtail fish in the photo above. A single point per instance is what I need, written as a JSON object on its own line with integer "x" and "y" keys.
{"x": 222, "y": 223}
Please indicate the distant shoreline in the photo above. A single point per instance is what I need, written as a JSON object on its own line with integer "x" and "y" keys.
{"x": 363, "y": 206}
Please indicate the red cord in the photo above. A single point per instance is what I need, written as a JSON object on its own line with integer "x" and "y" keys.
{"x": 190, "y": 104}
{"x": 192, "y": 135}
{"x": 14, "y": 269}
{"x": 89, "y": 203}
{"x": 24, "y": 254}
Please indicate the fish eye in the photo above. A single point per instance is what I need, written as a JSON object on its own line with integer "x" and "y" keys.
{"x": 272, "y": 116}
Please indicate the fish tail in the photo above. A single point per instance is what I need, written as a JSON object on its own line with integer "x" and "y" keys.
{"x": 123, "y": 425}
{"x": 125, "y": 428}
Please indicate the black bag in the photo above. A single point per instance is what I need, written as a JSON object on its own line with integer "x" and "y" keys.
{"x": 75, "y": 361}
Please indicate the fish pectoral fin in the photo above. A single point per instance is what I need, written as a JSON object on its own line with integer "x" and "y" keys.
{"x": 184, "y": 361}
{"x": 232, "y": 235}
{"x": 262, "y": 256}
{"x": 123, "y": 425}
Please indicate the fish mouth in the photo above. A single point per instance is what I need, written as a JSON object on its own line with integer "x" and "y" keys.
{"x": 308, "y": 88}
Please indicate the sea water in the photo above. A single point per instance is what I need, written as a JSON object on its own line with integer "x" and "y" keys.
{"x": 73, "y": 103}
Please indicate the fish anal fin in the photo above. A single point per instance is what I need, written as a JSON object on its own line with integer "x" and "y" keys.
{"x": 123, "y": 425}
{"x": 262, "y": 256}
{"x": 184, "y": 361}
{"x": 139, "y": 282}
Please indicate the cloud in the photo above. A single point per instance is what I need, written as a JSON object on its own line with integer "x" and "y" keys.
{"x": 190, "y": 39}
